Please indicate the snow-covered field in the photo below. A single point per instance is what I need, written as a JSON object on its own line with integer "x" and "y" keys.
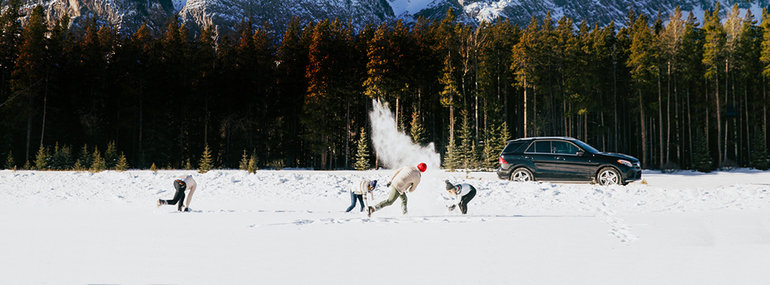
{"x": 289, "y": 227}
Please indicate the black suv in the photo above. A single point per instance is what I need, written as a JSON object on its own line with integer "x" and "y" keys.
{"x": 565, "y": 159}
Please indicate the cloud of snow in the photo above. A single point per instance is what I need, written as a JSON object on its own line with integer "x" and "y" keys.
{"x": 395, "y": 148}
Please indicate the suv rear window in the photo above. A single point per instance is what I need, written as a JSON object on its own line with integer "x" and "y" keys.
{"x": 512, "y": 147}
{"x": 540, "y": 147}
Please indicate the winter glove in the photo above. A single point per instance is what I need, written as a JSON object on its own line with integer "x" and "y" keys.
{"x": 452, "y": 208}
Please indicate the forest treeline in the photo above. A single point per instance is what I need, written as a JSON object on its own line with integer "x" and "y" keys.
{"x": 673, "y": 92}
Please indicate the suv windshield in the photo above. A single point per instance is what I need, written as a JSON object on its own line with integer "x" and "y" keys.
{"x": 587, "y": 147}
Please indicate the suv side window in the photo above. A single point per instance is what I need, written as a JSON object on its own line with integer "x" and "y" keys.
{"x": 563, "y": 147}
{"x": 542, "y": 147}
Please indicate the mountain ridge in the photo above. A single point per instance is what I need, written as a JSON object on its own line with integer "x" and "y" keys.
{"x": 224, "y": 15}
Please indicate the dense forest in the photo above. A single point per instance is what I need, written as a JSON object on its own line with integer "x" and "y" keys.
{"x": 667, "y": 89}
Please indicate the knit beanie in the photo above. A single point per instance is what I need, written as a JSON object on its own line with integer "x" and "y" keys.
{"x": 373, "y": 184}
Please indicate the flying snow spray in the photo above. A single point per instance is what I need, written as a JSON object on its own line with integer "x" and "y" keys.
{"x": 396, "y": 149}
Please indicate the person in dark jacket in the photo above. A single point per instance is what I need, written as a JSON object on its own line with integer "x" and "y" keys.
{"x": 461, "y": 194}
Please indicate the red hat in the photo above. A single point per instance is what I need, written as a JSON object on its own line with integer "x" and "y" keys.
{"x": 422, "y": 167}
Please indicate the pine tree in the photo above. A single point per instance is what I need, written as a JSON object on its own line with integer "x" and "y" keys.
{"x": 85, "y": 158}
{"x": 252, "y": 166}
{"x": 244, "y": 163}
{"x": 42, "y": 158}
{"x": 205, "y": 163}
{"x": 111, "y": 155}
{"x": 702, "y": 160}
{"x": 362, "y": 155}
{"x": 62, "y": 158}
{"x": 153, "y": 168}
{"x": 78, "y": 166}
{"x": 122, "y": 164}
{"x": 452, "y": 157}
{"x": 98, "y": 163}
{"x": 466, "y": 149}
{"x": 759, "y": 158}
{"x": 9, "y": 162}
{"x": 188, "y": 164}
{"x": 27, "y": 165}
{"x": 713, "y": 58}
{"x": 416, "y": 130}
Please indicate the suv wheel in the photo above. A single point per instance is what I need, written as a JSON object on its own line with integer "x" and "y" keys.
{"x": 522, "y": 174}
{"x": 608, "y": 176}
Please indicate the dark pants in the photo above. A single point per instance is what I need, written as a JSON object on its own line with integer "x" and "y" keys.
{"x": 179, "y": 196}
{"x": 467, "y": 198}
{"x": 353, "y": 198}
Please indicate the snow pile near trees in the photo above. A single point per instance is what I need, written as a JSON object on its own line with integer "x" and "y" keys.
{"x": 393, "y": 147}
{"x": 289, "y": 227}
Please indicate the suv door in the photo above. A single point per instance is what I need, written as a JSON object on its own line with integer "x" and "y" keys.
{"x": 569, "y": 161}
{"x": 539, "y": 153}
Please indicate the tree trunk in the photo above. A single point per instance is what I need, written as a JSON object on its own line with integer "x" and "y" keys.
{"x": 525, "y": 107}
{"x": 668, "y": 115}
{"x": 689, "y": 127}
{"x": 660, "y": 125}
{"x": 347, "y": 133}
{"x": 746, "y": 122}
{"x": 45, "y": 108}
{"x": 615, "y": 103}
{"x": 719, "y": 121}
{"x": 644, "y": 129}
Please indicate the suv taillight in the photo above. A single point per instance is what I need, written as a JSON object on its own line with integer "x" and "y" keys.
{"x": 502, "y": 161}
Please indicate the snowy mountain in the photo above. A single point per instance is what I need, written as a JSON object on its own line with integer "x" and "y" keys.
{"x": 225, "y": 14}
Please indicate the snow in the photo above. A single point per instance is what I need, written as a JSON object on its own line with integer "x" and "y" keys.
{"x": 408, "y": 7}
{"x": 289, "y": 227}
{"x": 178, "y": 5}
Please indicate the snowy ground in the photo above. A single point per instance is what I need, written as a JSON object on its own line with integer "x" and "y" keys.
{"x": 289, "y": 227}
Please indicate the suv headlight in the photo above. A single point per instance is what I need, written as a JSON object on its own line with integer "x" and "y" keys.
{"x": 625, "y": 162}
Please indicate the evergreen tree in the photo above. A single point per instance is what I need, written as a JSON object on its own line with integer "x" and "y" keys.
{"x": 702, "y": 160}
{"x": 62, "y": 158}
{"x": 98, "y": 163}
{"x": 416, "y": 130}
{"x": 759, "y": 159}
{"x": 9, "y": 162}
{"x": 85, "y": 158}
{"x": 244, "y": 163}
{"x": 43, "y": 158}
{"x": 188, "y": 164}
{"x": 206, "y": 162}
{"x": 153, "y": 168}
{"x": 713, "y": 59}
{"x": 362, "y": 155}
{"x": 466, "y": 150}
{"x": 452, "y": 158}
{"x": 111, "y": 155}
{"x": 252, "y": 166}
{"x": 27, "y": 165}
{"x": 78, "y": 166}
{"x": 122, "y": 164}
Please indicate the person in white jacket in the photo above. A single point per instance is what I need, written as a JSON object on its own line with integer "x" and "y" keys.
{"x": 404, "y": 180}
{"x": 461, "y": 194}
{"x": 358, "y": 191}
{"x": 181, "y": 184}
